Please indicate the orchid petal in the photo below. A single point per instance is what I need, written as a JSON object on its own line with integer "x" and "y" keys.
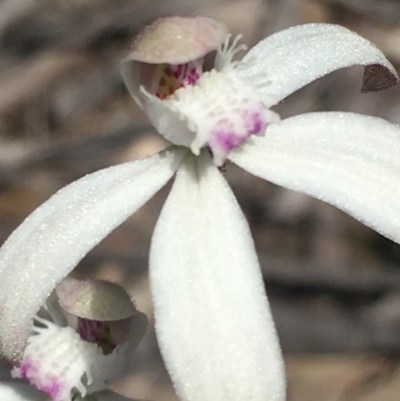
{"x": 133, "y": 75}
{"x": 213, "y": 321}
{"x": 348, "y": 160}
{"x": 288, "y": 60}
{"x": 17, "y": 390}
{"x": 54, "y": 238}
{"x": 171, "y": 123}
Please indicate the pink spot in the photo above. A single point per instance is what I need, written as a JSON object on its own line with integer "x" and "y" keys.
{"x": 185, "y": 69}
{"x": 43, "y": 382}
{"x": 89, "y": 330}
{"x": 188, "y": 75}
{"x": 227, "y": 140}
{"x": 230, "y": 132}
{"x": 175, "y": 77}
{"x": 254, "y": 123}
{"x": 178, "y": 71}
{"x": 97, "y": 332}
{"x": 168, "y": 71}
{"x": 26, "y": 369}
{"x": 52, "y": 389}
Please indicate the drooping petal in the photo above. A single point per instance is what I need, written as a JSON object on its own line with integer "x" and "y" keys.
{"x": 170, "y": 122}
{"x": 213, "y": 321}
{"x": 17, "y": 390}
{"x": 348, "y": 160}
{"x": 170, "y": 40}
{"x": 177, "y": 40}
{"x": 106, "y": 314}
{"x": 288, "y": 60}
{"x": 95, "y": 299}
{"x": 53, "y": 239}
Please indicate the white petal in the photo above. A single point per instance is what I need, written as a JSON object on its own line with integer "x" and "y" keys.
{"x": 213, "y": 321}
{"x": 53, "y": 239}
{"x": 348, "y": 160}
{"x": 132, "y": 76}
{"x": 16, "y": 390}
{"x": 292, "y": 58}
{"x": 171, "y": 123}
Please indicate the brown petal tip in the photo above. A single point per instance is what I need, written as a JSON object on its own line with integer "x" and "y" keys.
{"x": 177, "y": 40}
{"x": 378, "y": 77}
{"x": 95, "y": 300}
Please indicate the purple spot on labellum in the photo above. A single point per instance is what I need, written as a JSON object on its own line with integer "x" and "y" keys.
{"x": 168, "y": 71}
{"x": 52, "y": 389}
{"x": 234, "y": 128}
{"x": 227, "y": 140}
{"x": 26, "y": 369}
{"x": 253, "y": 122}
{"x": 229, "y": 136}
{"x": 42, "y": 381}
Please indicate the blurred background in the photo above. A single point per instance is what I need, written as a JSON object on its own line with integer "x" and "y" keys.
{"x": 334, "y": 285}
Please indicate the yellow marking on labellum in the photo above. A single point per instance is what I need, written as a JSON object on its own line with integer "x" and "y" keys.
{"x": 173, "y": 77}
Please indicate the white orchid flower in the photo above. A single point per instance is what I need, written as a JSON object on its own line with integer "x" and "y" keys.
{"x": 62, "y": 363}
{"x": 213, "y": 322}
